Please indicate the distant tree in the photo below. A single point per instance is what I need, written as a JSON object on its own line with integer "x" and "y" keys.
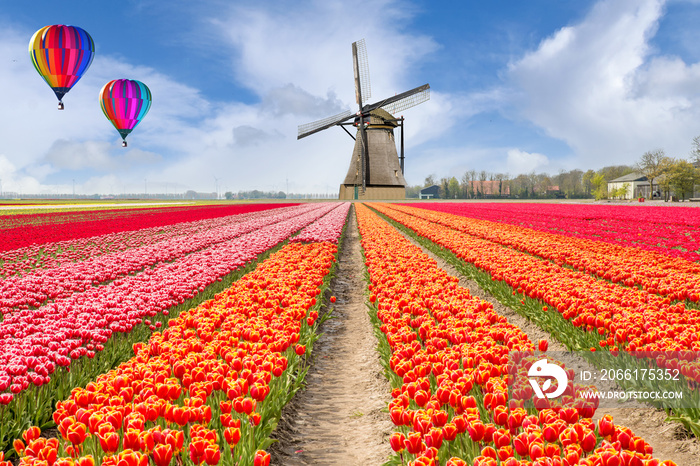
{"x": 615, "y": 171}
{"x": 532, "y": 179}
{"x": 542, "y": 183}
{"x": 600, "y": 186}
{"x": 466, "y": 186}
{"x": 499, "y": 177}
{"x": 228, "y": 195}
{"x": 683, "y": 177}
{"x": 664, "y": 183}
{"x": 429, "y": 181}
{"x": 413, "y": 192}
{"x": 483, "y": 176}
{"x": 586, "y": 180}
{"x": 695, "y": 153}
{"x": 653, "y": 164}
{"x": 453, "y": 186}
{"x": 444, "y": 188}
{"x": 621, "y": 192}
{"x": 574, "y": 183}
{"x": 472, "y": 184}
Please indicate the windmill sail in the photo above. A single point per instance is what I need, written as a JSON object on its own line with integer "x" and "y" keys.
{"x": 316, "y": 126}
{"x": 409, "y": 101}
{"x": 423, "y": 92}
{"x": 360, "y": 66}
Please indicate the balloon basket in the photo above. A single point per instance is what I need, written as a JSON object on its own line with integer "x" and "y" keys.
{"x": 123, "y": 143}
{"x": 60, "y": 105}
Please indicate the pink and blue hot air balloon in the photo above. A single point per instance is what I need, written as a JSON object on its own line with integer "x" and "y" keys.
{"x": 125, "y": 102}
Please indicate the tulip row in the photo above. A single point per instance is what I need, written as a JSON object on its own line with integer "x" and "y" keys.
{"x": 624, "y": 317}
{"x": 209, "y": 388}
{"x": 35, "y": 258}
{"x": 327, "y": 228}
{"x": 36, "y": 288}
{"x": 591, "y": 313}
{"x": 72, "y": 226}
{"x": 670, "y": 231}
{"x": 34, "y": 342}
{"x": 448, "y": 358}
{"x": 657, "y": 273}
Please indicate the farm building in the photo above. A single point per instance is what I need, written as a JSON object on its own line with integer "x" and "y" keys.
{"x": 431, "y": 192}
{"x": 634, "y": 185}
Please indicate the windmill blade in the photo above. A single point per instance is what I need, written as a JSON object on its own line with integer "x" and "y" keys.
{"x": 360, "y": 66}
{"x": 414, "y": 97}
{"x": 316, "y": 126}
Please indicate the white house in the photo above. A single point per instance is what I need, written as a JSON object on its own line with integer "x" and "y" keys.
{"x": 636, "y": 184}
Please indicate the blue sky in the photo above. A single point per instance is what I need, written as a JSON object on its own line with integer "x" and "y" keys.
{"x": 541, "y": 85}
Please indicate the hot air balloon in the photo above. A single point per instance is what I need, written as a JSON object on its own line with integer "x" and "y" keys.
{"x": 125, "y": 102}
{"x": 61, "y": 54}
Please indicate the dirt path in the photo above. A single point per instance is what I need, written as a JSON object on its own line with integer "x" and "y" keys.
{"x": 669, "y": 439}
{"x": 337, "y": 419}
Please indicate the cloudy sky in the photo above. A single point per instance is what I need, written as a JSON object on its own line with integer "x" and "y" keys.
{"x": 516, "y": 86}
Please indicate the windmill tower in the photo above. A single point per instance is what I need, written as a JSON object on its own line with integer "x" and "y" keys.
{"x": 375, "y": 171}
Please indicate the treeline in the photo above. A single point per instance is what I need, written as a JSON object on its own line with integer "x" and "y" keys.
{"x": 573, "y": 184}
{"x": 255, "y": 194}
{"x": 668, "y": 176}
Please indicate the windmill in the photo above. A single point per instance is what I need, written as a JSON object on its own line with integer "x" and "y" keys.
{"x": 375, "y": 170}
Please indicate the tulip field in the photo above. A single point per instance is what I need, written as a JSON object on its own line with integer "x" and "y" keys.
{"x": 177, "y": 335}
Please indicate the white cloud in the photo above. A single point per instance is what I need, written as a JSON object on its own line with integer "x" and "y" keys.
{"x": 600, "y": 87}
{"x": 69, "y": 155}
{"x": 519, "y": 161}
{"x": 311, "y": 44}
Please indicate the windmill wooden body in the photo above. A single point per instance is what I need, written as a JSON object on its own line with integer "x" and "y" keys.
{"x": 375, "y": 170}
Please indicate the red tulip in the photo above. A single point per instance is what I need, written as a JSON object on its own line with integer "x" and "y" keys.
{"x": 414, "y": 443}
{"x": 489, "y": 452}
{"x": 109, "y": 442}
{"x": 606, "y": 427}
{"x": 397, "y": 441}
{"x": 476, "y": 430}
{"x": 86, "y": 460}
{"x": 77, "y": 433}
{"x": 212, "y": 455}
{"x": 261, "y": 458}
{"x": 162, "y": 454}
{"x": 536, "y": 450}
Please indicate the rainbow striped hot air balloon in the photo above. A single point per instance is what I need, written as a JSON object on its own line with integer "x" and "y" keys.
{"x": 125, "y": 102}
{"x": 61, "y": 54}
